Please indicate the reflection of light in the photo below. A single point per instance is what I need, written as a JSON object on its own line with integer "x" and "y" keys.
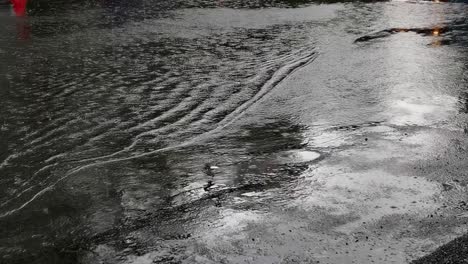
{"x": 436, "y": 32}
{"x": 437, "y": 1}
{"x": 298, "y": 156}
{"x": 421, "y": 110}
{"x": 436, "y": 43}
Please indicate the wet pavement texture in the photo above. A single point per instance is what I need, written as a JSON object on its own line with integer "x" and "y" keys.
{"x": 233, "y": 132}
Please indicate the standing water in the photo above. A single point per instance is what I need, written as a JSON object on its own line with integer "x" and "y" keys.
{"x": 210, "y": 131}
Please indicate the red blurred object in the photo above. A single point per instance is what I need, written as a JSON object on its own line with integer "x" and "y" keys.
{"x": 19, "y": 7}
{"x": 23, "y": 28}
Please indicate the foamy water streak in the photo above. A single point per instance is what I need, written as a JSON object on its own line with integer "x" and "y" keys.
{"x": 237, "y": 113}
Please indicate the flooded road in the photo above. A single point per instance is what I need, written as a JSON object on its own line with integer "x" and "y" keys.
{"x": 232, "y": 131}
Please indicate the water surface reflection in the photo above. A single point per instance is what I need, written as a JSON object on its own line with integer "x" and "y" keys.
{"x": 183, "y": 131}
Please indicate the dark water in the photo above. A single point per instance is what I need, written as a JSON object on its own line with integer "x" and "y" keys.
{"x": 112, "y": 114}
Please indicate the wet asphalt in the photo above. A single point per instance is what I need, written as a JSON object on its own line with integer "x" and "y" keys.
{"x": 234, "y": 132}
